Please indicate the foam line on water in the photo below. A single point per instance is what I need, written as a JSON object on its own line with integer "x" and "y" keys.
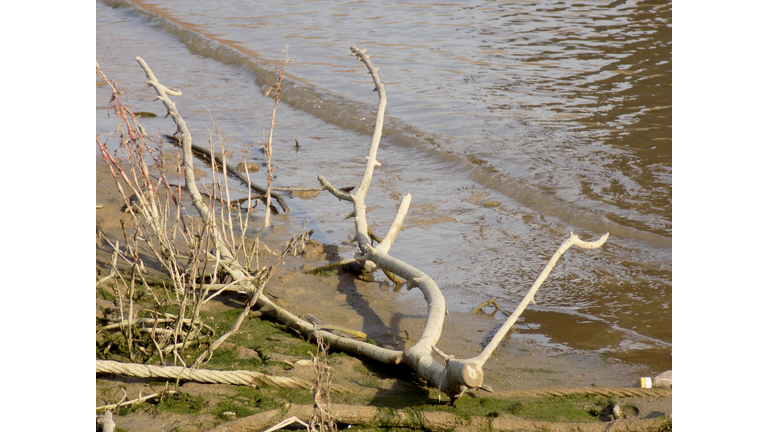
{"x": 358, "y": 116}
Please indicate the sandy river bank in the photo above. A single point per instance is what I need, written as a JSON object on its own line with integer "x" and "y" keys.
{"x": 376, "y": 308}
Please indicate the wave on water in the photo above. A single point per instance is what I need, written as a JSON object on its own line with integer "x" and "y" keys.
{"x": 358, "y": 116}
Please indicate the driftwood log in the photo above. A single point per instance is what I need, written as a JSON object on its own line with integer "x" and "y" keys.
{"x": 231, "y": 171}
{"x": 456, "y": 375}
{"x": 452, "y": 376}
{"x": 386, "y": 418}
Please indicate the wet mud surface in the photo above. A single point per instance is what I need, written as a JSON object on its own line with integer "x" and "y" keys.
{"x": 390, "y": 315}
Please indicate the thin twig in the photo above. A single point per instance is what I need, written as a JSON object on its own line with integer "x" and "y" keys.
{"x": 209, "y": 156}
{"x": 132, "y": 401}
{"x": 268, "y": 144}
{"x": 261, "y": 282}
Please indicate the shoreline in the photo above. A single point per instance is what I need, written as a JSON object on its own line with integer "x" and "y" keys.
{"x": 386, "y": 316}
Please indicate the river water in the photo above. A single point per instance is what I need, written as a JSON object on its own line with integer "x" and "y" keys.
{"x": 561, "y": 112}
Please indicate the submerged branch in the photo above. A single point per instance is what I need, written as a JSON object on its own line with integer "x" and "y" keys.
{"x": 231, "y": 171}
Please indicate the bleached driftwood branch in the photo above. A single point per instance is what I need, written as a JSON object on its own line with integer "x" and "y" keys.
{"x": 456, "y": 376}
{"x": 453, "y": 378}
{"x": 573, "y": 240}
{"x": 474, "y": 366}
{"x": 189, "y": 173}
{"x": 231, "y": 266}
{"x": 418, "y": 356}
{"x": 222, "y": 253}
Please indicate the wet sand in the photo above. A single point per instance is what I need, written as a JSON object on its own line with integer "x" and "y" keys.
{"x": 394, "y": 317}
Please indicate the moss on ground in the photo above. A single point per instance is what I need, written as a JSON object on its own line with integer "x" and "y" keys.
{"x": 572, "y": 408}
{"x": 181, "y": 403}
{"x": 105, "y": 294}
{"x": 267, "y": 339}
{"x": 565, "y": 409}
{"x": 666, "y": 426}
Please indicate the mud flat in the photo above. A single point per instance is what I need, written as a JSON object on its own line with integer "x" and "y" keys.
{"x": 529, "y": 381}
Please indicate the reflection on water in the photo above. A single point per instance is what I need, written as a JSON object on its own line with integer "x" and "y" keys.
{"x": 560, "y": 112}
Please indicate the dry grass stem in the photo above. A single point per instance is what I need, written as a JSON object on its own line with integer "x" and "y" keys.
{"x": 276, "y": 88}
{"x": 322, "y": 419}
{"x": 134, "y": 401}
{"x": 156, "y": 224}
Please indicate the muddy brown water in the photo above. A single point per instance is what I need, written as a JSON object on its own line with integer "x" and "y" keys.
{"x": 560, "y": 113}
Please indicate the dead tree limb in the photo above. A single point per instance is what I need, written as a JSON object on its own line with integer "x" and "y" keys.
{"x": 229, "y": 264}
{"x": 462, "y": 367}
{"x": 222, "y": 253}
{"x": 456, "y": 376}
{"x": 206, "y": 154}
{"x": 307, "y": 329}
{"x": 573, "y": 240}
{"x": 189, "y": 173}
{"x": 418, "y": 356}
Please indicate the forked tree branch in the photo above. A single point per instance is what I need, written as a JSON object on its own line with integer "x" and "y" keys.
{"x": 418, "y": 356}
{"x": 456, "y": 376}
{"x": 229, "y": 261}
{"x": 453, "y": 378}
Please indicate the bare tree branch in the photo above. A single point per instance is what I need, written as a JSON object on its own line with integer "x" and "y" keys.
{"x": 457, "y": 375}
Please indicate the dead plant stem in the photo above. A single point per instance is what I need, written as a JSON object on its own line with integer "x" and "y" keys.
{"x": 276, "y": 88}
